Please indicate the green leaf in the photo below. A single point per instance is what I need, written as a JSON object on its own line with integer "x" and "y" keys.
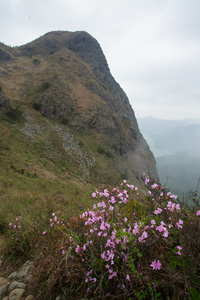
{"x": 106, "y": 279}
{"x": 67, "y": 254}
{"x": 76, "y": 237}
{"x": 173, "y": 264}
{"x": 91, "y": 251}
{"x": 194, "y": 279}
{"x": 194, "y": 295}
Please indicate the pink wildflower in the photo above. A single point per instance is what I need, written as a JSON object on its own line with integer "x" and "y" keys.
{"x": 128, "y": 277}
{"x": 77, "y": 249}
{"x": 131, "y": 187}
{"x": 166, "y": 233}
{"x": 84, "y": 247}
{"x": 112, "y": 275}
{"x": 156, "y": 265}
{"x": 179, "y": 248}
{"x": 103, "y": 204}
{"x": 107, "y": 225}
{"x": 154, "y": 186}
{"x": 120, "y": 195}
{"x": 102, "y": 227}
{"x": 198, "y": 213}
{"x": 143, "y": 237}
{"x": 179, "y": 224}
{"x": 158, "y": 211}
{"x": 103, "y": 255}
{"x": 112, "y": 200}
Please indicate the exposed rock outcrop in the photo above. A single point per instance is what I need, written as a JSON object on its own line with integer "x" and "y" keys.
{"x": 14, "y": 287}
{"x": 5, "y": 105}
{"x": 4, "y": 53}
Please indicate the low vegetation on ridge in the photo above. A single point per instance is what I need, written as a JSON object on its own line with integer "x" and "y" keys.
{"x": 125, "y": 247}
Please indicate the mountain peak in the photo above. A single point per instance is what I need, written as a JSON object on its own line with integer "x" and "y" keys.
{"x": 65, "y": 76}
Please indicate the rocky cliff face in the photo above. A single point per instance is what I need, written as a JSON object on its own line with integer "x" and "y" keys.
{"x": 5, "y": 106}
{"x": 65, "y": 76}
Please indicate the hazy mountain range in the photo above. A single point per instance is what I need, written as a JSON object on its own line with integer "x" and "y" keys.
{"x": 176, "y": 147}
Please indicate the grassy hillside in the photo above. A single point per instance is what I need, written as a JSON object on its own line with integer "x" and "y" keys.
{"x": 35, "y": 165}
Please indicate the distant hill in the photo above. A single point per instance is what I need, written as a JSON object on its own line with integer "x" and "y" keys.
{"x": 171, "y": 136}
{"x": 154, "y": 126}
{"x": 176, "y": 146}
{"x": 180, "y": 172}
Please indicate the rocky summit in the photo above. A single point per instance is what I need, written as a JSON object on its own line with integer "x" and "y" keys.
{"x": 58, "y": 94}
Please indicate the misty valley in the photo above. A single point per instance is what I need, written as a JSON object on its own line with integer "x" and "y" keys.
{"x": 176, "y": 147}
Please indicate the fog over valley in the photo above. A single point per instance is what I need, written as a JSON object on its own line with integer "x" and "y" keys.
{"x": 176, "y": 147}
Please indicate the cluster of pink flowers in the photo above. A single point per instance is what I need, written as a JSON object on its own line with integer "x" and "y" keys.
{"x": 116, "y": 233}
{"x": 55, "y": 220}
{"x": 16, "y": 226}
{"x": 163, "y": 229}
{"x": 110, "y": 240}
{"x": 173, "y": 206}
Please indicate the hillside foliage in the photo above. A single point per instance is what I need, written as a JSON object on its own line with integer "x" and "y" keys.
{"x": 124, "y": 247}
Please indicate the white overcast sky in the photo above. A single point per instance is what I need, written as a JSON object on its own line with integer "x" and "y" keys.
{"x": 152, "y": 46}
